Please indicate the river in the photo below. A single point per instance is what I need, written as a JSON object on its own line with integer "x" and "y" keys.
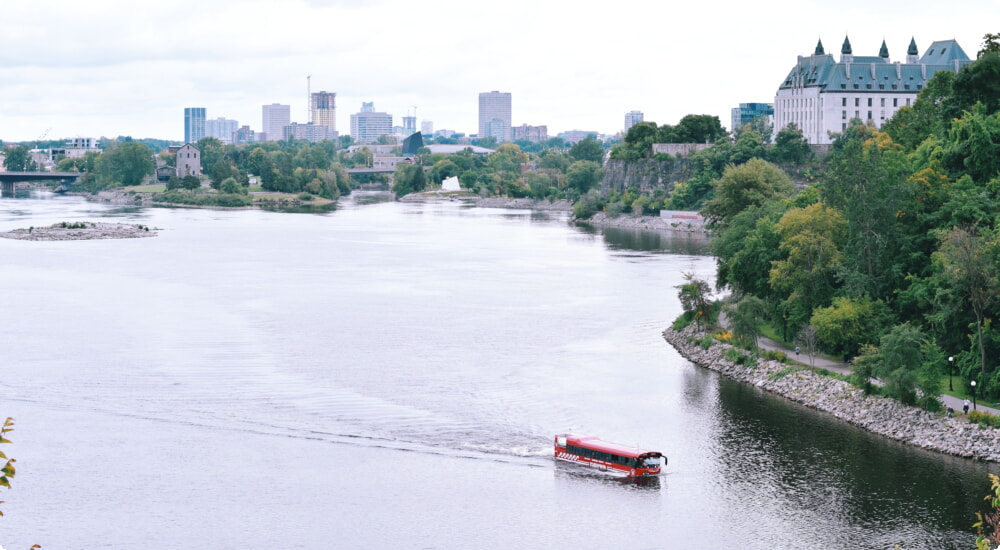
{"x": 390, "y": 375}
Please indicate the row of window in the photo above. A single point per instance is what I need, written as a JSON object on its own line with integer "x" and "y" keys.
{"x": 857, "y": 101}
{"x": 607, "y": 457}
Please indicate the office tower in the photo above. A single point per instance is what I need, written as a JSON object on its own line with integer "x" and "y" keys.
{"x": 409, "y": 125}
{"x": 221, "y": 129}
{"x": 194, "y": 124}
{"x": 276, "y": 117}
{"x": 368, "y": 125}
{"x": 323, "y": 109}
{"x": 494, "y": 115}
{"x": 427, "y": 127}
{"x": 631, "y": 119}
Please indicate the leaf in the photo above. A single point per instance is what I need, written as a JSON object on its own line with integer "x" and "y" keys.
{"x": 4, "y": 482}
{"x": 4, "y": 440}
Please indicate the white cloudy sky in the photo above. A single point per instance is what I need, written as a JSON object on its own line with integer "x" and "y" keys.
{"x": 117, "y": 67}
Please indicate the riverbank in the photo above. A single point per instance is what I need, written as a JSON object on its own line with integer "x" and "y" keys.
{"x": 881, "y": 415}
{"x": 647, "y": 223}
{"x": 81, "y": 231}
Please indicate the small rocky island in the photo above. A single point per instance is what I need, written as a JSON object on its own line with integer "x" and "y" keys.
{"x": 81, "y": 231}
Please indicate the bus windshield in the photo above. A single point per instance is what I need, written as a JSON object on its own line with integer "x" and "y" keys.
{"x": 651, "y": 462}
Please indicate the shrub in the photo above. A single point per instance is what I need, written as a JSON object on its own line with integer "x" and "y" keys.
{"x": 305, "y": 197}
{"x": 773, "y": 355}
{"x": 706, "y": 342}
{"x": 683, "y": 321}
{"x": 736, "y": 356}
{"x": 984, "y": 419}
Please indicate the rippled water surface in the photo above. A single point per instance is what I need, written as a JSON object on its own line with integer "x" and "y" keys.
{"x": 391, "y": 375}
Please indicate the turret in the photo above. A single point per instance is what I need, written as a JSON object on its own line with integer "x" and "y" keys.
{"x": 845, "y": 51}
{"x": 911, "y": 52}
{"x": 819, "y": 48}
{"x": 883, "y": 52}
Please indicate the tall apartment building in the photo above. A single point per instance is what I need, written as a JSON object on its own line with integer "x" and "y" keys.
{"x": 494, "y": 115}
{"x": 632, "y": 118}
{"x": 427, "y": 127}
{"x": 275, "y": 118}
{"x": 221, "y": 129}
{"x": 533, "y": 134}
{"x": 409, "y": 125}
{"x": 821, "y": 95}
{"x": 243, "y": 135}
{"x": 323, "y": 110}
{"x": 368, "y": 125}
{"x": 194, "y": 124}
{"x": 314, "y": 133}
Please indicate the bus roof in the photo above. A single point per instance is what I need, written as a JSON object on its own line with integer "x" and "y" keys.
{"x": 598, "y": 444}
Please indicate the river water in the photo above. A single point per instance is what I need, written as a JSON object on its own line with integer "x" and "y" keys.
{"x": 390, "y": 375}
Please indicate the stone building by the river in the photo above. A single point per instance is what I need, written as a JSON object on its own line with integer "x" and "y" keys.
{"x": 188, "y": 160}
{"x": 821, "y": 95}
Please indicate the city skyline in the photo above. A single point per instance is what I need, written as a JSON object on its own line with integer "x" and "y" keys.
{"x": 123, "y": 83}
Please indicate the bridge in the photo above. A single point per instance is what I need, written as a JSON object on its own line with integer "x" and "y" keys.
{"x": 8, "y": 180}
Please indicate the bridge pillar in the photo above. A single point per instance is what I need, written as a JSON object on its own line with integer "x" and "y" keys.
{"x": 8, "y": 189}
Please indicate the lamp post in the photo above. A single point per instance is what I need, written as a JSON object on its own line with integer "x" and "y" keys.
{"x": 951, "y": 369}
{"x": 973, "y": 395}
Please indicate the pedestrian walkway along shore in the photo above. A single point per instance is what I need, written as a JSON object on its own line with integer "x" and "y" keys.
{"x": 881, "y": 415}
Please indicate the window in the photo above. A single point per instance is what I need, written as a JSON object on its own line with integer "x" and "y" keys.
{"x": 857, "y": 101}
{"x": 843, "y": 102}
{"x": 907, "y": 102}
{"x": 857, "y": 114}
{"x": 869, "y": 102}
{"x": 843, "y": 115}
{"x": 869, "y": 115}
{"x": 883, "y": 101}
{"x": 895, "y": 102}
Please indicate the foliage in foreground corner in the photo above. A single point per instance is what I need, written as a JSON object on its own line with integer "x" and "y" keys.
{"x": 7, "y": 472}
{"x": 988, "y": 526}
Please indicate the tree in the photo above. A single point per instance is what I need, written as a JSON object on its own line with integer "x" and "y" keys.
{"x": 743, "y": 186}
{"x": 190, "y": 183}
{"x": 7, "y": 472}
{"x": 129, "y": 163}
{"x": 584, "y": 175}
{"x": 811, "y": 240}
{"x": 408, "y": 178}
{"x": 212, "y": 151}
{"x": 900, "y": 358}
{"x": 850, "y": 323}
{"x": 699, "y": 129}
{"x": 231, "y": 186}
{"x": 18, "y": 159}
{"x": 979, "y": 83}
{"x": 791, "y": 146}
{"x": 745, "y": 320}
{"x": 588, "y": 149}
{"x": 968, "y": 257}
{"x": 694, "y": 295}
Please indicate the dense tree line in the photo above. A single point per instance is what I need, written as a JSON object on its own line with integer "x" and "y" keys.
{"x": 891, "y": 256}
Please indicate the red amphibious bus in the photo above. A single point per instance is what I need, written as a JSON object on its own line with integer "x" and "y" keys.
{"x": 611, "y": 457}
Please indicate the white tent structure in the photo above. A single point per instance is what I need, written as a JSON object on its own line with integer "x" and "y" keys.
{"x": 451, "y": 184}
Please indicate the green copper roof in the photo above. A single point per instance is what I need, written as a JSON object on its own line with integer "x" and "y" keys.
{"x": 944, "y": 52}
{"x": 912, "y": 50}
{"x": 846, "y": 48}
{"x": 819, "y": 48}
{"x": 884, "y": 50}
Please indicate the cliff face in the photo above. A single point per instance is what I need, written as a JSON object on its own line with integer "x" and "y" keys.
{"x": 645, "y": 175}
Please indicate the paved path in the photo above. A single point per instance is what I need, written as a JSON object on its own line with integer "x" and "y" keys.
{"x": 843, "y": 368}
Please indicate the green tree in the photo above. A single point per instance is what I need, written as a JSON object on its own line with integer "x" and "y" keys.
{"x": 973, "y": 145}
{"x": 745, "y": 320}
{"x": 18, "y": 159}
{"x": 583, "y": 175}
{"x": 694, "y": 296}
{"x": 588, "y": 149}
{"x": 968, "y": 258}
{"x": 212, "y": 151}
{"x": 408, "y": 178}
{"x": 231, "y": 186}
{"x": 743, "y": 186}
{"x": 979, "y": 83}
{"x": 791, "y": 146}
{"x": 811, "y": 241}
{"x": 900, "y": 359}
{"x": 850, "y": 323}
{"x": 129, "y": 163}
{"x": 699, "y": 129}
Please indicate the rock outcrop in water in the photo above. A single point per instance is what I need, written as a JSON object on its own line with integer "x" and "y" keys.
{"x": 81, "y": 231}
{"x": 881, "y": 415}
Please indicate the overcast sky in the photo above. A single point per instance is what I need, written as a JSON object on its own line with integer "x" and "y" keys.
{"x": 116, "y": 67}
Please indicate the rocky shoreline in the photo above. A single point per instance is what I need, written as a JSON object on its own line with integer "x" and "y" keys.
{"x": 81, "y": 231}
{"x": 881, "y": 415}
{"x": 647, "y": 223}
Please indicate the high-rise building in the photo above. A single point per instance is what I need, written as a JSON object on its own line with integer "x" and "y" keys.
{"x": 221, "y": 129}
{"x": 632, "y": 118}
{"x": 323, "y": 110}
{"x": 194, "y": 124}
{"x": 821, "y": 95}
{"x": 276, "y": 117}
{"x": 494, "y": 115}
{"x": 308, "y": 132}
{"x": 427, "y": 127}
{"x": 243, "y": 135}
{"x": 368, "y": 125}
{"x": 748, "y": 112}
{"x": 409, "y": 125}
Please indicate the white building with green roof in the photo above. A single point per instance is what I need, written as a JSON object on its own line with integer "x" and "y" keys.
{"x": 821, "y": 96}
